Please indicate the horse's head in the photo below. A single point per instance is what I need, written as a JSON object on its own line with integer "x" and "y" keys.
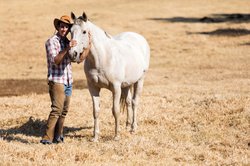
{"x": 79, "y": 32}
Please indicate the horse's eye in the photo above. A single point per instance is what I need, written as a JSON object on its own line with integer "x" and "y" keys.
{"x": 84, "y": 32}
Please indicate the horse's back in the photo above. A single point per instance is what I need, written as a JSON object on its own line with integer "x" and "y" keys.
{"x": 137, "y": 41}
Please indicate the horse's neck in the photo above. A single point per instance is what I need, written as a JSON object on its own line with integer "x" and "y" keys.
{"x": 98, "y": 50}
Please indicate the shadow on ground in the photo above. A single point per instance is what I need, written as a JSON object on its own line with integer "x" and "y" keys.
{"x": 16, "y": 87}
{"x": 214, "y": 18}
{"x": 31, "y": 127}
{"x": 231, "y": 32}
{"x": 246, "y": 44}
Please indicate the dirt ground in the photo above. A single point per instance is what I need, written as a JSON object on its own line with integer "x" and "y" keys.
{"x": 195, "y": 106}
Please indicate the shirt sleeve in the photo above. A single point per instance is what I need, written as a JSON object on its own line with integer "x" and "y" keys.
{"x": 52, "y": 49}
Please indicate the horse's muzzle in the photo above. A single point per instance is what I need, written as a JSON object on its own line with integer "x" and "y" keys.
{"x": 73, "y": 56}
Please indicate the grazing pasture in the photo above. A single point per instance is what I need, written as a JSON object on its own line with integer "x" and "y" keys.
{"x": 195, "y": 104}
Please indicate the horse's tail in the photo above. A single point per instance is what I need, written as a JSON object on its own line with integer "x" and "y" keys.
{"x": 123, "y": 99}
{"x": 122, "y": 102}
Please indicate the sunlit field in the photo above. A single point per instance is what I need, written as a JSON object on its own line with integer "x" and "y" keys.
{"x": 195, "y": 105}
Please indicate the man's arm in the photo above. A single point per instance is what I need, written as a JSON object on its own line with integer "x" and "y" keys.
{"x": 59, "y": 57}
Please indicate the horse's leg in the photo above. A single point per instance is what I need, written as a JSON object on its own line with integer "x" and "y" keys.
{"x": 116, "y": 107}
{"x": 128, "y": 102}
{"x": 137, "y": 92}
{"x": 94, "y": 91}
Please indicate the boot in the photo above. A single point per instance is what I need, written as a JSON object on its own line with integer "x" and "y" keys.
{"x": 50, "y": 129}
{"x": 58, "y": 134}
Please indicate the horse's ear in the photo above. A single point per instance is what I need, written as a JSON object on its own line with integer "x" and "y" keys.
{"x": 73, "y": 16}
{"x": 84, "y": 17}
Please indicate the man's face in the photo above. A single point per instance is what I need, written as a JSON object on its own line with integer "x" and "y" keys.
{"x": 63, "y": 29}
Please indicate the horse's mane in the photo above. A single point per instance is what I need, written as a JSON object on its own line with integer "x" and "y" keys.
{"x": 108, "y": 35}
{"x": 78, "y": 21}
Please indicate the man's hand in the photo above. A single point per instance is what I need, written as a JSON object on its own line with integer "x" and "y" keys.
{"x": 72, "y": 43}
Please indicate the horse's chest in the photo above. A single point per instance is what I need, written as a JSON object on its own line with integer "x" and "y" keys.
{"x": 98, "y": 78}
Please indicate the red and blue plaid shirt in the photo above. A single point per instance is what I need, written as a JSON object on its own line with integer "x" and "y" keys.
{"x": 61, "y": 73}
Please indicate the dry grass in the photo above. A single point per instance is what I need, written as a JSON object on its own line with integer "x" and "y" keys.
{"x": 195, "y": 107}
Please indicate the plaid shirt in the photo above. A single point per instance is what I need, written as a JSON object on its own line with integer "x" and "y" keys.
{"x": 61, "y": 73}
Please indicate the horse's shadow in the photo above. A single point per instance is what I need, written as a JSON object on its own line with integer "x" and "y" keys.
{"x": 33, "y": 128}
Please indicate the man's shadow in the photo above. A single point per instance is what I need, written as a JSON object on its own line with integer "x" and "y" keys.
{"x": 36, "y": 128}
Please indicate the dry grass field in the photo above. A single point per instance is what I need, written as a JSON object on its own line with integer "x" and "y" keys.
{"x": 195, "y": 106}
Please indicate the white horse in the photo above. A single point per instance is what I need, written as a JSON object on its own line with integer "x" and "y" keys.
{"x": 116, "y": 63}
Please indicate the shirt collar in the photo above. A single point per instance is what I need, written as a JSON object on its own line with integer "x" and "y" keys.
{"x": 60, "y": 38}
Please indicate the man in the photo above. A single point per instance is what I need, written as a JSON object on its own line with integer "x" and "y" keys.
{"x": 59, "y": 79}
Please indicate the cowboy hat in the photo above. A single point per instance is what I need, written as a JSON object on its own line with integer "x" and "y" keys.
{"x": 65, "y": 19}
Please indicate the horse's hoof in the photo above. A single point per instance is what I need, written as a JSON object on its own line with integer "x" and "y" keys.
{"x": 128, "y": 128}
{"x": 94, "y": 140}
{"x": 117, "y": 138}
{"x": 132, "y": 130}
{"x": 128, "y": 124}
